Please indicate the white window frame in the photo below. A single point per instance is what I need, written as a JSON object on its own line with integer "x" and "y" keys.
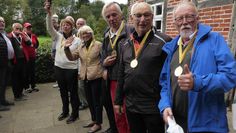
{"x": 158, "y": 17}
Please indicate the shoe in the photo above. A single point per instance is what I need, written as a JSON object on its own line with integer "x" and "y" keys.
{"x": 88, "y": 125}
{"x": 95, "y": 128}
{"x": 35, "y": 89}
{"x": 7, "y": 103}
{"x": 20, "y": 99}
{"x": 4, "y": 108}
{"x": 29, "y": 90}
{"x": 71, "y": 119}
{"x": 62, "y": 116}
{"x": 55, "y": 86}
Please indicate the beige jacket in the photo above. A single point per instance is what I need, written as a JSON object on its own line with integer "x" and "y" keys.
{"x": 90, "y": 60}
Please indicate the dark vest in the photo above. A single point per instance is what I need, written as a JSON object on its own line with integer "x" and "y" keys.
{"x": 3, "y": 52}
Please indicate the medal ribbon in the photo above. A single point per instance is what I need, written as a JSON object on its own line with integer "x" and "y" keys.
{"x": 138, "y": 47}
{"x": 113, "y": 44}
{"x": 182, "y": 53}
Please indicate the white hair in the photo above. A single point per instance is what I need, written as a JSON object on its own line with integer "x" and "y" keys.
{"x": 107, "y": 5}
{"x": 140, "y": 5}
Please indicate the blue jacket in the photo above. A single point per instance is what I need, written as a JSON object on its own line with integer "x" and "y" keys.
{"x": 214, "y": 70}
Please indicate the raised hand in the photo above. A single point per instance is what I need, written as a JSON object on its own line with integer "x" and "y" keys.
{"x": 185, "y": 80}
{"x": 69, "y": 41}
{"x": 47, "y": 6}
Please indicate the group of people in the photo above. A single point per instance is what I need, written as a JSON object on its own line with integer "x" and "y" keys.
{"x": 17, "y": 62}
{"x": 143, "y": 77}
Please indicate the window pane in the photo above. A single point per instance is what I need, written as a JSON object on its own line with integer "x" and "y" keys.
{"x": 158, "y": 9}
{"x": 158, "y": 24}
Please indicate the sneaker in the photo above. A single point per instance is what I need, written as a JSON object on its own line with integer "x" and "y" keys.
{"x": 35, "y": 89}
{"x": 29, "y": 90}
{"x": 55, "y": 85}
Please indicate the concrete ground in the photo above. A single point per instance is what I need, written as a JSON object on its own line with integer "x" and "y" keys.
{"x": 39, "y": 114}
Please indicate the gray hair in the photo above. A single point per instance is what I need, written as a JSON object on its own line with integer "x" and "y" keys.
{"x": 185, "y": 3}
{"x": 140, "y": 5}
{"x": 15, "y": 24}
{"x": 108, "y": 5}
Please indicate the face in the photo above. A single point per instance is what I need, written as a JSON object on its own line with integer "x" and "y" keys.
{"x": 17, "y": 29}
{"x": 113, "y": 17}
{"x": 142, "y": 19}
{"x": 66, "y": 28}
{"x": 79, "y": 23}
{"x": 28, "y": 29}
{"x": 186, "y": 20}
{"x": 86, "y": 36}
{"x": 2, "y": 24}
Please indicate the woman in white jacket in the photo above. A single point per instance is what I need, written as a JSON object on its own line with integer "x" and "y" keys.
{"x": 65, "y": 71}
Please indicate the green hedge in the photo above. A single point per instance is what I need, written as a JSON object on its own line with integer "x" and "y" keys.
{"x": 44, "y": 63}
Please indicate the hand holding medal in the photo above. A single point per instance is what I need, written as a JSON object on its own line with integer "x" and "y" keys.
{"x": 185, "y": 80}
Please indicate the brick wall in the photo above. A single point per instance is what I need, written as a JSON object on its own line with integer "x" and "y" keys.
{"x": 217, "y": 16}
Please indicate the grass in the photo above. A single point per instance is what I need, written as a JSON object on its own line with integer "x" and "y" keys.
{"x": 44, "y": 40}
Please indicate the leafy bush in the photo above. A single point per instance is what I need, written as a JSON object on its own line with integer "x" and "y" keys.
{"x": 44, "y": 63}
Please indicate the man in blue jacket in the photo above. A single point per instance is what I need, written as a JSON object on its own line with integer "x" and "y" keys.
{"x": 198, "y": 70}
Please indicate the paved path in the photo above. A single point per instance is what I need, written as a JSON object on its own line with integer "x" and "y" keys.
{"x": 39, "y": 114}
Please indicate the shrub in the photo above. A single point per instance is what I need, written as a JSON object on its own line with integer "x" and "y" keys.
{"x": 44, "y": 69}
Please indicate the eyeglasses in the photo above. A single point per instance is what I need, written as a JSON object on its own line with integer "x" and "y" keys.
{"x": 145, "y": 15}
{"x": 189, "y": 18}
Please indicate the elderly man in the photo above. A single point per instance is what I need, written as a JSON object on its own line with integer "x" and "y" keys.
{"x": 114, "y": 37}
{"x": 19, "y": 41}
{"x": 83, "y": 101}
{"x": 6, "y": 56}
{"x": 141, "y": 61}
{"x": 198, "y": 71}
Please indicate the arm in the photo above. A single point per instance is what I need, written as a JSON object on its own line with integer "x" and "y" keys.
{"x": 225, "y": 77}
{"x": 67, "y": 50}
{"x": 119, "y": 91}
{"x": 51, "y": 30}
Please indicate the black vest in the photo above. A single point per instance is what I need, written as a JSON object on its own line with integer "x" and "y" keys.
{"x": 3, "y": 52}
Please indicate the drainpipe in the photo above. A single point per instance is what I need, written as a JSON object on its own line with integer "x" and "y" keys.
{"x": 232, "y": 33}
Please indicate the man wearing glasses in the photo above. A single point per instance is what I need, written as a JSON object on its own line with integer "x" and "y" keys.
{"x": 141, "y": 61}
{"x": 198, "y": 70}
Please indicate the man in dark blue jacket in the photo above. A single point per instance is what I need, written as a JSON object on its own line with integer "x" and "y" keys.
{"x": 198, "y": 70}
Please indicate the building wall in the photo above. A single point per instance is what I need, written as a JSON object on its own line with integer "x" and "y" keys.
{"x": 216, "y": 13}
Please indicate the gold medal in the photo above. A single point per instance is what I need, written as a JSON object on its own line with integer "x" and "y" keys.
{"x": 178, "y": 71}
{"x": 133, "y": 63}
{"x": 114, "y": 53}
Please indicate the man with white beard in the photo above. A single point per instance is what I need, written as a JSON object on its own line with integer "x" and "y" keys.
{"x": 198, "y": 70}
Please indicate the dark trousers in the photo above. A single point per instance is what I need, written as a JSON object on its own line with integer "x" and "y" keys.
{"x": 30, "y": 73}
{"x": 18, "y": 77}
{"x": 145, "y": 123}
{"x": 3, "y": 82}
{"x": 107, "y": 103}
{"x": 67, "y": 82}
{"x": 93, "y": 92}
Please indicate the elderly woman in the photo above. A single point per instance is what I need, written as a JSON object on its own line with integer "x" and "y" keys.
{"x": 91, "y": 72}
{"x": 65, "y": 70}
